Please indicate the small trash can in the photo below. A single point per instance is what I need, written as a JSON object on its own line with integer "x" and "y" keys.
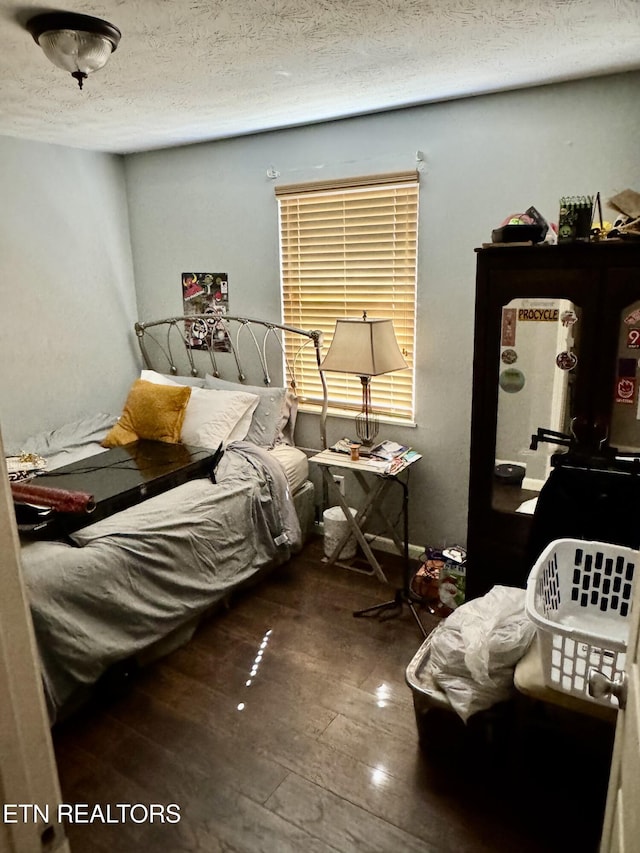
{"x": 335, "y": 526}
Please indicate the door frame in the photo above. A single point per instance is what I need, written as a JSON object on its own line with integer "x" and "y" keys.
{"x": 28, "y": 772}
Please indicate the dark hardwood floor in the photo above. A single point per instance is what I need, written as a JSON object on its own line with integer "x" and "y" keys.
{"x": 286, "y": 726}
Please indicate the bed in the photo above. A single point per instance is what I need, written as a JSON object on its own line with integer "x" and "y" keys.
{"x": 134, "y": 585}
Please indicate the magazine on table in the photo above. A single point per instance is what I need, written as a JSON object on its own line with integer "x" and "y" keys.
{"x": 388, "y": 450}
{"x": 384, "y": 450}
{"x": 388, "y": 457}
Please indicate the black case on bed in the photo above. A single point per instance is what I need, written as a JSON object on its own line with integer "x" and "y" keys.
{"x": 119, "y": 478}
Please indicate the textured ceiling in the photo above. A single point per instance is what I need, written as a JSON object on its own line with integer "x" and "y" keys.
{"x": 194, "y": 70}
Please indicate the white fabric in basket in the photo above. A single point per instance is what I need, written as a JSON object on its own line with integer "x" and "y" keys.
{"x": 475, "y": 650}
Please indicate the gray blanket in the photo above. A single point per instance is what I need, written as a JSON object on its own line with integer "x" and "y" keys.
{"x": 132, "y": 579}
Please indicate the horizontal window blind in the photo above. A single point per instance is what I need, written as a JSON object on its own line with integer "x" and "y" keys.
{"x": 349, "y": 247}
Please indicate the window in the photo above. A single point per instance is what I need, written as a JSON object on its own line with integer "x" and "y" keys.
{"x": 348, "y": 247}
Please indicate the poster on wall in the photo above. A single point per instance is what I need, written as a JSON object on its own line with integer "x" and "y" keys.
{"x": 206, "y": 293}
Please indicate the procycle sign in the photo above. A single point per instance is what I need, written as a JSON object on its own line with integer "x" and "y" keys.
{"x": 545, "y": 315}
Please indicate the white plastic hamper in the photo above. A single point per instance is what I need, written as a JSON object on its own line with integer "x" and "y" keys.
{"x": 335, "y": 526}
{"x": 579, "y": 596}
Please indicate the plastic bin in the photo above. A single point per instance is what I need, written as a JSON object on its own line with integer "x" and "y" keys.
{"x": 335, "y": 526}
{"x": 433, "y": 711}
{"x": 426, "y": 693}
{"x": 440, "y": 730}
{"x": 579, "y": 596}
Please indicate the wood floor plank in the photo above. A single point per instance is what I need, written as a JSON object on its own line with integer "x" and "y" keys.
{"x": 396, "y": 753}
{"x": 91, "y": 780}
{"x": 345, "y": 826}
{"x": 209, "y": 749}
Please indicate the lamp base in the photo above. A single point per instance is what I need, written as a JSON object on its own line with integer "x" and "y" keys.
{"x": 365, "y": 431}
{"x": 366, "y": 422}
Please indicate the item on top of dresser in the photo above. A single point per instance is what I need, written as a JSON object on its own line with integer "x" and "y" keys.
{"x": 575, "y": 218}
{"x": 521, "y": 228}
{"x": 627, "y": 202}
{"x": 627, "y": 222}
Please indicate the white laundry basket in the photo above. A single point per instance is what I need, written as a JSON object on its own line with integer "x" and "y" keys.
{"x": 579, "y": 597}
{"x": 335, "y": 526}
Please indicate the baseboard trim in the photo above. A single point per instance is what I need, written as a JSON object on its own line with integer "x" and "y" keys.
{"x": 532, "y": 484}
{"x": 381, "y": 543}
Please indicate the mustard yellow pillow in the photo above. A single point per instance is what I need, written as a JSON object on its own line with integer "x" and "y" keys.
{"x": 151, "y": 411}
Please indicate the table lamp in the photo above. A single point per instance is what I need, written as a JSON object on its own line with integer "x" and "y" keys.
{"x": 365, "y": 347}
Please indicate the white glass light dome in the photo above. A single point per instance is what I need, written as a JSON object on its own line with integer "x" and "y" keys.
{"x": 78, "y": 44}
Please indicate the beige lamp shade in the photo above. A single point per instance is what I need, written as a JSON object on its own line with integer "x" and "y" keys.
{"x": 365, "y": 347}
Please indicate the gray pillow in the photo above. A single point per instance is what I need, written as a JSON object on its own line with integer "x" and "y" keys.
{"x": 274, "y": 419}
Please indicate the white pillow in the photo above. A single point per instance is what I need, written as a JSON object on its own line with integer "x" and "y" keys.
{"x": 212, "y": 417}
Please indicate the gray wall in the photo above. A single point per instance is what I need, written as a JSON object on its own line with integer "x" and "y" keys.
{"x": 212, "y": 207}
{"x": 68, "y": 296}
{"x": 67, "y": 291}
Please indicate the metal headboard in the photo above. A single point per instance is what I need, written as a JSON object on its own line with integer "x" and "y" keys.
{"x": 222, "y": 333}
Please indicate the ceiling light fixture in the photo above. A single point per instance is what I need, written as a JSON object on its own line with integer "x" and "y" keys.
{"x": 79, "y": 44}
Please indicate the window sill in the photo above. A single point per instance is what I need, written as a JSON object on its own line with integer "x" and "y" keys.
{"x": 349, "y": 415}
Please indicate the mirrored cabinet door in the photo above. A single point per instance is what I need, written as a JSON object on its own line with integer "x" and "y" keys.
{"x": 539, "y": 362}
{"x": 556, "y": 351}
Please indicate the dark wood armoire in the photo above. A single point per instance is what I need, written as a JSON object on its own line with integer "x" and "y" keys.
{"x": 556, "y": 347}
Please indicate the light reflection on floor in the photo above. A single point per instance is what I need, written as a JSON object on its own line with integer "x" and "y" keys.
{"x": 383, "y": 694}
{"x": 256, "y": 665}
